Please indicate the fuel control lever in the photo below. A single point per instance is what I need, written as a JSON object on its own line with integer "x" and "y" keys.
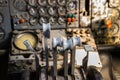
{"x": 46, "y": 32}
{"x": 75, "y": 42}
{"x": 29, "y": 46}
{"x": 55, "y": 42}
{"x": 66, "y": 46}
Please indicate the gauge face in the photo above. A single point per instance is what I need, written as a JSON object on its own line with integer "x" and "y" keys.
{"x": 61, "y": 20}
{"x": 52, "y": 20}
{"x": 19, "y": 40}
{"x": 52, "y": 11}
{"x": 61, "y": 11}
{"x": 42, "y": 2}
{"x": 114, "y": 3}
{"x": 32, "y": 11}
{"x": 33, "y": 21}
{"x": 62, "y": 2}
{"x": 43, "y": 11}
{"x": 114, "y": 29}
{"x": 26, "y": 16}
{"x": 114, "y": 13}
{"x": 32, "y": 2}
{"x": 20, "y": 5}
{"x": 1, "y": 18}
{"x": 52, "y": 2}
{"x": 43, "y": 20}
{"x": 71, "y": 6}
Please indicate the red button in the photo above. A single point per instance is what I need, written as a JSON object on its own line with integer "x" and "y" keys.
{"x": 73, "y": 19}
{"x": 22, "y": 20}
{"x": 69, "y": 20}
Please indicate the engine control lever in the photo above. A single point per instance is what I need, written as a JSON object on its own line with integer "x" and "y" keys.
{"x": 75, "y": 42}
{"x": 29, "y": 46}
{"x": 55, "y": 42}
{"x": 46, "y": 32}
{"x": 88, "y": 48}
{"x": 66, "y": 45}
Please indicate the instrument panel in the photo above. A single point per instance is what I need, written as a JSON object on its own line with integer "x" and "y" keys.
{"x": 96, "y": 22}
{"x": 5, "y": 24}
{"x": 30, "y": 14}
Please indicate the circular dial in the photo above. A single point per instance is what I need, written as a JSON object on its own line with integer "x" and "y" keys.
{"x": 32, "y": 2}
{"x": 71, "y": 6}
{"x": 113, "y": 13}
{"x": 20, "y": 5}
{"x": 61, "y": 2}
{"x": 114, "y": 3}
{"x": 33, "y": 11}
{"x": 61, "y": 11}
{"x": 61, "y": 20}
{"x": 52, "y": 11}
{"x": 52, "y": 2}
{"x": 43, "y": 20}
{"x": 1, "y": 18}
{"x": 43, "y": 11}
{"x": 33, "y": 21}
{"x": 42, "y": 2}
{"x": 19, "y": 40}
{"x": 52, "y": 20}
{"x": 114, "y": 29}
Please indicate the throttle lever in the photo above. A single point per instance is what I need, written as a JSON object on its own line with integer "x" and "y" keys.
{"x": 66, "y": 45}
{"x": 29, "y": 46}
{"x": 75, "y": 42}
{"x": 46, "y": 32}
{"x": 56, "y": 42}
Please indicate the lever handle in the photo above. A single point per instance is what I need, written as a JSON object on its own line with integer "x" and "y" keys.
{"x": 57, "y": 42}
{"x": 76, "y": 41}
{"x": 67, "y": 44}
{"x": 46, "y": 30}
{"x": 28, "y": 45}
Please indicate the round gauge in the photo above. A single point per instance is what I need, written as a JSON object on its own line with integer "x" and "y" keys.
{"x": 113, "y": 13}
{"x": 2, "y": 34}
{"x": 61, "y": 11}
{"x": 61, "y": 20}
{"x": 43, "y": 20}
{"x": 52, "y": 2}
{"x": 33, "y": 11}
{"x": 43, "y": 11}
{"x": 19, "y": 40}
{"x": 20, "y": 5}
{"x": 114, "y": 3}
{"x": 1, "y": 18}
{"x": 33, "y": 21}
{"x": 114, "y": 29}
{"x": 71, "y": 6}
{"x": 52, "y": 11}
{"x": 62, "y": 2}
{"x": 26, "y": 16}
{"x": 42, "y": 2}
{"x": 32, "y": 2}
{"x": 52, "y": 20}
